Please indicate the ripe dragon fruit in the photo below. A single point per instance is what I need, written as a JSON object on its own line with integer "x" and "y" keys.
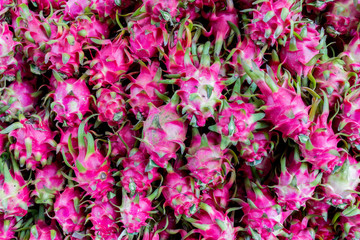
{"x": 299, "y": 229}
{"x": 145, "y": 38}
{"x": 48, "y": 182}
{"x": 143, "y": 89}
{"x": 110, "y": 62}
{"x": 134, "y": 177}
{"x": 164, "y": 132}
{"x": 110, "y": 105}
{"x": 106, "y": 8}
{"x": 7, "y": 227}
{"x": 19, "y": 98}
{"x": 74, "y": 9}
{"x": 350, "y": 222}
{"x": 7, "y": 51}
{"x": 69, "y": 211}
{"x": 71, "y": 101}
{"x": 14, "y": 193}
{"x": 351, "y": 54}
{"x": 180, "y": 195}
{"x": 34, "y": 140}
{"x": 296, "y": 184}
{"x": 271, "y": 21}
{"x": 42, "y": 231}
{"x": 162, "y": 11}
{"x": 92, "y": 169}
{"x": 302, "y": 51}
{"x": 206, "y": 161}
{"x": 284, "y": 108}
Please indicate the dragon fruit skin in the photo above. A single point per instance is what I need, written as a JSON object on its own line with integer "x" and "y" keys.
{"x": 110, "y": 105}
{"x": 45, "y": 232}
{"x": 66, "y": 214}
{"x": 104, "y": 216}
{"x": 339, "y": 186}
{"x": 350, "y": 222}
{"x": 71, "y": 101}
{"x": 296, "y": 184}
{"x": 134, "y": 212}
{"x": 162, "y": 11}
{"x": 351, "y": 54}
{"x": 34, "y": 142}
{"x": 258, "y": 149}
{"x": 106, "y": 8}
{"x": 163, "y": 133}
{"x": 74, "y": 8}
{"x": 20, "y": 97}
{"x": 299, "y": 229}
{"x": 134, "y": 177}
{"x": 110, "y": 62}
{"x": 48, "y": 182}
{"x": 126, "y": 134}
{"x": 205, "y": 159}
{"x": 269, "y": 24}
{"x": 145, "y": 38}
{"x": 342, "y": 17}
{"x": 14, "y": 193}
{"x": 297, "y": 53}
{"x": 7, "y": 50}
{"x": 7, "y": 227}
{"x": 179, "y": 195}
{"x": 143, "y": 89}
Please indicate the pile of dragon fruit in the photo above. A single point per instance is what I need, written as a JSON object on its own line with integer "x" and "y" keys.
{"x": 179, "y": 119}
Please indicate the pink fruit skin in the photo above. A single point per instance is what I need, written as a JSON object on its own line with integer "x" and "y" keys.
{"x": 7, "y": 230}
{"x": 126, "y": 134}
{"x": 74, "y": 8}
{"x": 44, "y": 232}
{"x": 65, "y": 212}
{"x": 7, "y": 49}
{"x": 352, "y": 54}
{"x": 104, "y": 216}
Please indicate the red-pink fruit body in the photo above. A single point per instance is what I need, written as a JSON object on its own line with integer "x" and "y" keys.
{"x": 258, "y": 148}
{"x": 74, "y": 9}
{"x": 45, "y": 232}
{"x": 124, "y": 134}
{"x": 104, "y": 216}
{"x": 7, "y": 51}
{"x": 351, "y": 54}
{"x": 70, "y": 217}
{"x": 7, "y": 227}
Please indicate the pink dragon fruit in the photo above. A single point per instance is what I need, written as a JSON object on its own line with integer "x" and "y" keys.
{"x": 213, "y": 224}
{"x": 206, "y": 161}
{"x": 143, "y": 89}
{"x": 45, "y": 4}
{"x": 71, "y": 101}
{"x": 299, "y": 230}
{"x": 107, "y": 8}
{"x": 324, "y": 228}
{"x": 135, "y": 212}
{"x": 123, "y": 140}
{"x": 164, "y": 133}
{"x": 134, "y": 177}
{"x": 351, "y": 54}
{"x": 69, "y": 211}
{"x": 342, "y": 17}
{"x": 162, "y": 11}
{"x": 34, "y": 140}
{"x": 111, "y": 105}
{"x": 7, "y": 227}
{"x": 200, "y": 91}
{"x": 340, "y": 187}
{"x": 74, "y": 8}
{"x": 42, "y": 231}
{"x": 145, "y": 38}
{"x": 179, "y": 194}
{"x": 7, "y": 51}
{"x": 302, "y": 51}
{"x": 296, "y": 183}
{"x": 110, "y": 63}
{"x": 48, "y": 182}
{"x": 249, "y": 52}
{"x": 350, "y": 222}
{"x": 271, "y": 21}
{"x": 235, "y": 122}
{"x": 85, "y": 29}
{"x": 92, "y": 170}
{"x": 104, "y": 217}
{"x": 263, "y": 217}
{"x": 19, "y": 98}
{"x": 14, "y": 193}
{"x": 321, "y": 148}
{"x": 284, "y": 108}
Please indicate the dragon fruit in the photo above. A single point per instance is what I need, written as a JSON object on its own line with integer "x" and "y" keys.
{"x": 19, "y": 98}
{"x": 161, "y": 11}
{"x": 42, "y": 231}
{"x": 69, "y": 211}
{"x": 7, "y": 227}
{"x": 351, "y": 54}
{"x": 350, "y": 220}
{"x": 110, "y": 63}
{"x": 296, "y": 183}
{"x": 14, "y": 193}
{"x": 110, "y": 105}
{"x": 300, "y": 54}
{"x": 271, "y": 21}
{"x": 299, "y": 229}
{"x": 134, "y": 177}
{"x": 74, "y": 8}
{"x": 123, "y": 140}
{"x": 179, "y": 194}
{"x": 145, "y": 38}
{"x": 7, "y": 50}
{"x": 107, "y": 8}
{"x": 34, "y": 140}
{"x": 284, "y": 108}
{"x": 92, "y": 169}
{"x": 48, "y": 182}
{"x": 71, "y": 101}
{"x": 206, "y": 161}
{"x": 164, "y": 132}
{"x": 143, "y": 89}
